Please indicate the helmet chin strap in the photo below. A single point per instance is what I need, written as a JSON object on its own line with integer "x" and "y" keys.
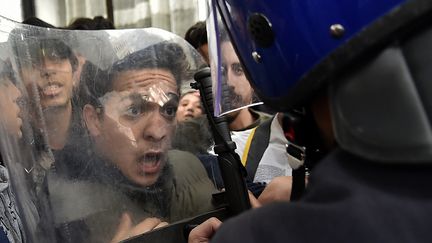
{"x": 305, "y": 146}
{"x": 381, "y": 111}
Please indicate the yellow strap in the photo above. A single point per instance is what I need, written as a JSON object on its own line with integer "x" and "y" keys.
{"x": 247, "y": 147}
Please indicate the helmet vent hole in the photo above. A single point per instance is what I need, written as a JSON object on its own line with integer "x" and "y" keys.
{"x": 260, "y": 29}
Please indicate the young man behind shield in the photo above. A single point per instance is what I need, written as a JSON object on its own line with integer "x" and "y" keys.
{"x": 132, "y": 174}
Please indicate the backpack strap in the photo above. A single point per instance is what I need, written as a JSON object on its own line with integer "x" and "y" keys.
{"x": 258, "y": 144}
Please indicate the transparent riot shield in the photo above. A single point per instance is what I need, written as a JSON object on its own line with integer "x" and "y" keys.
{"x": 87, "y": 123}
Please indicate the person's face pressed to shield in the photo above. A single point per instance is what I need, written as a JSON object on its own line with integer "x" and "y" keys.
{"x": 139, "y": 114}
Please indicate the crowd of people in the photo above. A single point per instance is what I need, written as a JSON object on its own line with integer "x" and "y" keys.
{"x": 112, "y": 151}
{"x": 102, "y": 139}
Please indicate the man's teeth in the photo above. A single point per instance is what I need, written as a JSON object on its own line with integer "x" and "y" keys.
{"x": 153, "y": 159}
{"x": 51, "y": 87}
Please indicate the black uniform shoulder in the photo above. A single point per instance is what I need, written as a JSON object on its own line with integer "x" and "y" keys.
{"x": 349, "y": 199}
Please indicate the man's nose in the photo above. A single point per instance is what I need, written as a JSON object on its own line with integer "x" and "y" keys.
{"x": 155, "y": 127}
{"x": 190, "y": 107}
{"x": 46, "y": 73}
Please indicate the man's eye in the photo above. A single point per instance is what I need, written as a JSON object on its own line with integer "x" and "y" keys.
{"x": 169, "y": 111}
{"x": 133, "y": 111}
{"x": 237, "y": 69}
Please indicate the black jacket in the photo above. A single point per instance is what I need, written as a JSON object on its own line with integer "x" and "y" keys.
{"x": 349, "y": 199}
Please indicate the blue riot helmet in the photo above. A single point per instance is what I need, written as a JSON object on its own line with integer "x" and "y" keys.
{"x": 370, "y": 56}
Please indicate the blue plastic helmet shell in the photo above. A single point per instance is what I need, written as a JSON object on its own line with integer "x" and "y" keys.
{"x": 279, "y": 42}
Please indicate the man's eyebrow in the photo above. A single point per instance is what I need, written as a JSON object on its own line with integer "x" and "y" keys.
{"x": 140, "y": 79}
{"x": 128, "y": 96}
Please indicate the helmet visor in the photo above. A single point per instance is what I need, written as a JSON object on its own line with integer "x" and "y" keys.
{"x": 231, "y": 88}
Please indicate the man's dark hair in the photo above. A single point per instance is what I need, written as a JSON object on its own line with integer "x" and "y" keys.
{"x": 97, "y": 23}
{"x": 95, "y": 83}
{"x": 39, "y": 44}
{"x": 34, "y": 47}
{"x": 35, "y": 21}
{"x": 224, "y": 35}
{"x": 31, "y": 44}
{"x": 196, "y": 35}
{"x": 52, "y": 49}
{"x": 163, "y": 55}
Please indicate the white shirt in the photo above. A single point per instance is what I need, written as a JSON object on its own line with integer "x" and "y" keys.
{"x": 275, "y": 160}
{"x": 240, "y": 138}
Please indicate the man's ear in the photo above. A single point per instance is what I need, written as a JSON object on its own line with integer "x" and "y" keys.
{"x": 91, "y": 120}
